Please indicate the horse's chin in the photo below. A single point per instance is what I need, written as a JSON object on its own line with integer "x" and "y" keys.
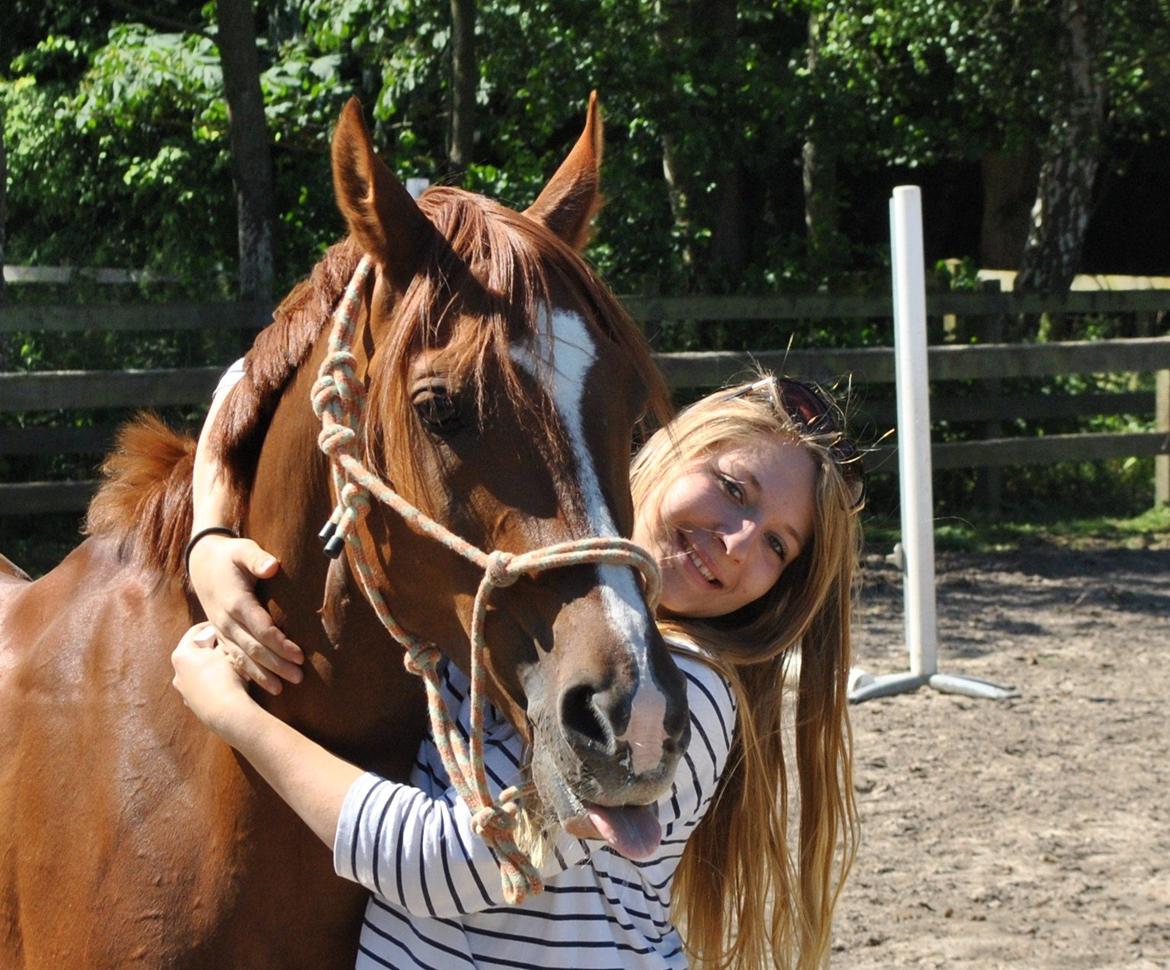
{"x": 629, "y": 826}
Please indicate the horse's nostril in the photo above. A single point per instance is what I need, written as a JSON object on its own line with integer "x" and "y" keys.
{"x": 581, "y": 720}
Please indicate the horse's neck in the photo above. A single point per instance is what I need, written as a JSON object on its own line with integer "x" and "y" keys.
{"x": 356, "y": 673}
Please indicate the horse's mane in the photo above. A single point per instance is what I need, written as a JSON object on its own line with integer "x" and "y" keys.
{"x": 280, "y": 349}
{"x": 485, "y": 263}
{"x": 144, "y": 503}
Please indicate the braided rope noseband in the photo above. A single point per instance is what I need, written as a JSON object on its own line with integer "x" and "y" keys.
{"x": 339, "y": 402}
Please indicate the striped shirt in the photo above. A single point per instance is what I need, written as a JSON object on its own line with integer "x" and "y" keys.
{"x": 437, "y": 901}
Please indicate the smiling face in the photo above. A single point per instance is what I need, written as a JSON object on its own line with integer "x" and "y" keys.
{"x": 726, "y": 528}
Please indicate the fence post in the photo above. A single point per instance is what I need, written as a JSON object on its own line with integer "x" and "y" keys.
{"x": 989, "y": 480}
{"x": 1162, "y": 423}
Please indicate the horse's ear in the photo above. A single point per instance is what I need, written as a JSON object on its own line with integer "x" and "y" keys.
{"x": 380, "y": 213}
{"x": 573, "y": 195}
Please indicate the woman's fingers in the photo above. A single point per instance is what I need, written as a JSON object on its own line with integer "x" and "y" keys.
{"x": 224, "y": 572}
{"x": 255, "y": 563}
{"x": 252, "y": 624}
{"x": 200, "y": 672}
{"x": 249, "y": 669}
{"x": 209, "y": 683}
{"x": 259, "y": 657}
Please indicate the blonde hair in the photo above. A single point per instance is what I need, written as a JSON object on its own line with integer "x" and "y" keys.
{"x": 739, "y": 896}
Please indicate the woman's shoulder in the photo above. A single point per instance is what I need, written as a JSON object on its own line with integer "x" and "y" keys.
{"x": 708, "y": 690}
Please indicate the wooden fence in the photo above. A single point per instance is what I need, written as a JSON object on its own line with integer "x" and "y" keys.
{"x": 51, "y": 391}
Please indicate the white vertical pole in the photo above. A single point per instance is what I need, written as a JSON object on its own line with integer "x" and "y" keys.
{"x": 917, "y": 546}
{"x": 914, "y": 468}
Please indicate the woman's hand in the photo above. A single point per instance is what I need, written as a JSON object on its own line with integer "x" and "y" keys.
{"x": 223, "y": 573}
{"x": 210, "y": 683}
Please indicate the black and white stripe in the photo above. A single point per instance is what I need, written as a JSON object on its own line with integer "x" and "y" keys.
{"x": 438, "y": 901}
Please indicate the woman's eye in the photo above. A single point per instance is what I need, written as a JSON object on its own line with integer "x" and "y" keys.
{"x": 732, "y": 487}
{"x": 777, "y": 545}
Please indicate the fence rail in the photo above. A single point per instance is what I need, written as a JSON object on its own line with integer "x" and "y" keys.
{"x": 51, "y": 391}
{"x": 747, "y": 309}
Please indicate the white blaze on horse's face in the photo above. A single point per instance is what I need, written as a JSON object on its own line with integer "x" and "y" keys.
{"x": 562, "y": 369}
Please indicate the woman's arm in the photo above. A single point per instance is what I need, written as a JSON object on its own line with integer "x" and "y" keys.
{"x": 386, "y": 836}
{"x": 411, "y": 847}
{"x": 420, "y": 852}
{"x": 224, "y": 572}
{"x": 310, "y": 779}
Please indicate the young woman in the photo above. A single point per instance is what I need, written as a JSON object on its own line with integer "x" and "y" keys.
{"x": 748, "y": 501}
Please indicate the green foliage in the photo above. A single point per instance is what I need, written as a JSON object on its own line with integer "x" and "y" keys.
{"x": 117, "y": 143}
{"x": 125, "y": 166}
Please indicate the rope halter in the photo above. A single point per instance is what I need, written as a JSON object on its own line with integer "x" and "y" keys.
{"x": 339, "y": 398}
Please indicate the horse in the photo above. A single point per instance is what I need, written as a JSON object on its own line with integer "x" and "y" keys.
{"x": 502, "y": 382}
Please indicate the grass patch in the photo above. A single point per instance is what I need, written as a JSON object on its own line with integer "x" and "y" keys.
{"x": 1150, "y": 529}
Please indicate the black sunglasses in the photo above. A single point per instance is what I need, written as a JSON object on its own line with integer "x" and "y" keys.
{"x": 812, "y": 411}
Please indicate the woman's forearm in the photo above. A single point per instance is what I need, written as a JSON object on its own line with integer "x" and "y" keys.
{"x": 310, "y": 779}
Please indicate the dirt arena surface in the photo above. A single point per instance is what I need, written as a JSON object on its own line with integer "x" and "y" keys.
{"x": 1031, "y": 832}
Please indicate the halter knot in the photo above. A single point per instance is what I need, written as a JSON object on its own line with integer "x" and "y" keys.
{"x": 495, "y": 820}
{"x": 421, "y": 658}
{"x": 498, "y": 572}
{"x": 336, "y": 437}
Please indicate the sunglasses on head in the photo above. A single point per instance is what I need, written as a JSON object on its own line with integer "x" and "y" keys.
{"x": 812, "y": 412}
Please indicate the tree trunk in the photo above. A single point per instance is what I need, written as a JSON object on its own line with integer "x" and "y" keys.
{"x": 729, "y": 234}
{"x": 674, "y": 40}
{"x": 677, "y": 194}
{"x": 1009, "y": 188}
{"x": 729, "y": 220}
{"x": 1068, "y": 167}
{"x": 3, "y": 204}
{"x": 251, "y": 156}
{"x": 818, "y": 170}
{"x": 705, "y": 34}
{"x": 464, "y": 83}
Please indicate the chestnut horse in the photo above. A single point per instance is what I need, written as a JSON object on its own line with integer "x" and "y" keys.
{"x": 503, "y": 381}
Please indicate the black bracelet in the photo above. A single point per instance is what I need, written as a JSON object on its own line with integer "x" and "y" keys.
{"x": 211, "y": 530}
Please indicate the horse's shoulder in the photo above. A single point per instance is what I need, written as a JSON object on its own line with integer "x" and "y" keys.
{"x": 10, "y": 572}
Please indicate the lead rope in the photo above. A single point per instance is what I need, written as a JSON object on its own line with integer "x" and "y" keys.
{"x": 338, "y": 398}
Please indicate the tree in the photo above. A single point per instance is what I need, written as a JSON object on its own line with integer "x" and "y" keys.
{"x": 464, "y": 84}
{"x": 3, "y": 199}
{"x": 251, "y": 158}
{"x": 1071, "y": 158}
{"x": 818, "y": 161}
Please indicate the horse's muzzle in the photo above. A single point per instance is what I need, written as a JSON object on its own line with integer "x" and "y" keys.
{"x": 612, "y": 748}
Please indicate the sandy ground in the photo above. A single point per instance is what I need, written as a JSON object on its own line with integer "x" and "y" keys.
{"x": 1030, "y": 832}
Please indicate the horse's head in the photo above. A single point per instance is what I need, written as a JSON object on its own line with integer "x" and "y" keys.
{"x": 504, "y": 383}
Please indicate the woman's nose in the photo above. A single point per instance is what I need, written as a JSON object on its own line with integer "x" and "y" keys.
{"x": 737, "y": 538}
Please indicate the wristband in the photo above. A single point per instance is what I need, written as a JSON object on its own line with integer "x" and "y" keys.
{"x": 211, "y": 530}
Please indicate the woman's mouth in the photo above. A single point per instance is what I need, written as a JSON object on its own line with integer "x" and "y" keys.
{"x": 697, "y": 561}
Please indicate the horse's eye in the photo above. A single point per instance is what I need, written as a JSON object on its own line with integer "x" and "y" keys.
{"x": 438, "y": 409}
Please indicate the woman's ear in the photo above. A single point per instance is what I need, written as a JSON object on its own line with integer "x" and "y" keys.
{"x": 567, "y": 204}
{"x": 380, "y": 213}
